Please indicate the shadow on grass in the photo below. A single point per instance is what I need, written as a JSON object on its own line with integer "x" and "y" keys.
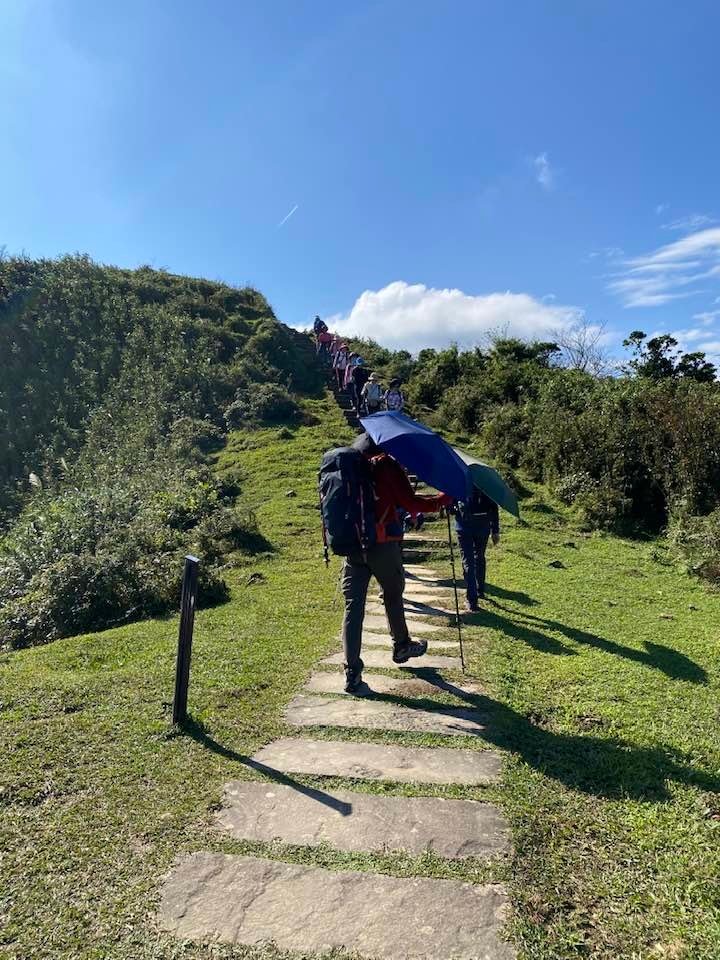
{"x": 196, "y": 731}
{"x": 657, "y": 656}
{"x": 514, "y": 596}
{"x": 606, "y": 767}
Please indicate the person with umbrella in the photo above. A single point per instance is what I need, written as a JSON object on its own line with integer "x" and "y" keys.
{"x": 383, "y": 560}
{"x": 476, "y": 521}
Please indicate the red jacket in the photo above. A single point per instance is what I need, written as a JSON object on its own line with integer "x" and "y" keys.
{"x": 392, "y": 489}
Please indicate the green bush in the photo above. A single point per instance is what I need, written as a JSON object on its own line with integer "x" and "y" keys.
{"x": 696, "y": 541}
{"x": 603, "y": 507}
{"x": 574, "y": 485}
{"x": 105, "y": 551}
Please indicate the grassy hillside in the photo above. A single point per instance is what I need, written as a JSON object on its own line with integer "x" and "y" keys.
{"x": 601, "y": 679}
{"x": 118, "y": 385}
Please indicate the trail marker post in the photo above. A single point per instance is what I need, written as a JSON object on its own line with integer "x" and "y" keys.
{"x": 185, "y": 637}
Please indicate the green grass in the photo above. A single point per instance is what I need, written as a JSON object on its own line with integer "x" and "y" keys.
{"x": 601, "y": 686}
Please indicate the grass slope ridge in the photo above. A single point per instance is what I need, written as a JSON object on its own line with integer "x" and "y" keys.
{"x": 600, "y": 673}
{"x": 119, "y": 385}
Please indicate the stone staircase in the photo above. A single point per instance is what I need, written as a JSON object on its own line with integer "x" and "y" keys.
{"x": 252, "y": 901}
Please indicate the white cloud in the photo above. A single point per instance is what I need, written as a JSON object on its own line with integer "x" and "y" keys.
{"x": 606, "y": 253}
{"x": 671, "y": 272}
{"x": 707, "y": 316}
{"x": 413, "y": 316}
{"x": 293, "y": 209}
{"x": 544, "y": 174}
{"x": 695, "y": 221}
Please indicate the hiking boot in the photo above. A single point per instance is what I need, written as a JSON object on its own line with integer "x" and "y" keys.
{"x": 353, "y": 679}
{"x": 411, "y": 648}
{"x": 471, "y": 607}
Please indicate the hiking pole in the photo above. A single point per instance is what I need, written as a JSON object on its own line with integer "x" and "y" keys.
{"x": 457, "y": 604}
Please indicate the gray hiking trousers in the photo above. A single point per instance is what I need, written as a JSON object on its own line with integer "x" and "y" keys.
{"x": 384, "y": 562}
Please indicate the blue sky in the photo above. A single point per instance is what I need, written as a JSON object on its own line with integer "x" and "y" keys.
{"x": 448, "y": 168}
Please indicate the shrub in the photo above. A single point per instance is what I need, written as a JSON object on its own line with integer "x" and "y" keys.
{"x": 262, "y": 403}
{"x": 696, "y": 541}
{"x": 570, "y": 487}
{"x": 603, "y": 507}
{"x": 110, "y": 551}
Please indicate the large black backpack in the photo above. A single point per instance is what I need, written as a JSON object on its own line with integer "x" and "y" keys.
{"x": 347, "y": 501}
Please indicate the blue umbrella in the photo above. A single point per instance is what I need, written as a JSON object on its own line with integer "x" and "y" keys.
{"x": 421, "y": 451}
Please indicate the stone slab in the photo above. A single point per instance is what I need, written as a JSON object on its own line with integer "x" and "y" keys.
{"x": 414, "y": 611}
{"x": 333, "y": 682}
{"x": 381, "y": 761}
{"x": 370, "y": 714}
{"x": 417, "y": 540}
{"x": 251, "y": 901}
{"x": 441, "y": 598}
{"x": 419, "y": 570}
{"x": 361, "y": 822}
{"x": 384, "y": 640}
{"x": 381, "y": 658}
{"x": 378, "y": 621}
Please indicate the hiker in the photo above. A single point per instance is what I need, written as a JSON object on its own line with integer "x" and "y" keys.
{"x": 347, "y": 380}
{"x": 393, "y": 398}
{"x": 339, "y": 365}
{"x": 372, "y": 394}
{"x": 360, "y": 376}
{"x": 319, "y": 326}
{"x": 324, "y": 339}
{"x": 381, "y": 553}
{"x": 475, "y": 522}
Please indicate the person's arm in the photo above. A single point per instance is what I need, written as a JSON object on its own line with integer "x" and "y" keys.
{"x": 404, "y": 495}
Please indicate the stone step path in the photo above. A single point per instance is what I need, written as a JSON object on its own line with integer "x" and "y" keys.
{"x": 415, "y": 610}
{"x": 333, "y": 682}
{"x": 383, "y": 660}
{"x": 307, "y": 710}
{"x": 362, "y": 822}
{"x": 379, "y": 622}
{"x": 384, "y": 640}
{"x": 249, "y": 901}
{"x": 381, "y": 761}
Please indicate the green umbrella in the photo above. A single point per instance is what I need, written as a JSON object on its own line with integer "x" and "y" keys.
{"x": 491, "y": 483}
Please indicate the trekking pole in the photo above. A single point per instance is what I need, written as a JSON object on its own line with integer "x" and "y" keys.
{"x": 457, "y": 604}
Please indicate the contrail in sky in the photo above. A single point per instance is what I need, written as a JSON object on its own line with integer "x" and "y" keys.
{"x": 287, "y": 217}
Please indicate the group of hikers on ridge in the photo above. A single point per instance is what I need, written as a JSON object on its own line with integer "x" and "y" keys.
{"x": 367, "y": 502}
{"x": 352, "y": 376}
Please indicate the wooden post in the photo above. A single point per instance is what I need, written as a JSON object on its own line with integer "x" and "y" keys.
{"x": 187, "y": 620}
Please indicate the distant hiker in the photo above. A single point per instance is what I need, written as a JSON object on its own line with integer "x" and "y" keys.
{"x": 475, "y": 522}
{"x": 319, "y": 327}
{"x": 324, "y": 340}
{"x": 393, "y": 398}
{"x": 372, "y": 394}
{"x": 339, "y": 365}
{"x": 348, "y": 370}
{"x": 359, "y": 488}
{"x": 360, "y": 376}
